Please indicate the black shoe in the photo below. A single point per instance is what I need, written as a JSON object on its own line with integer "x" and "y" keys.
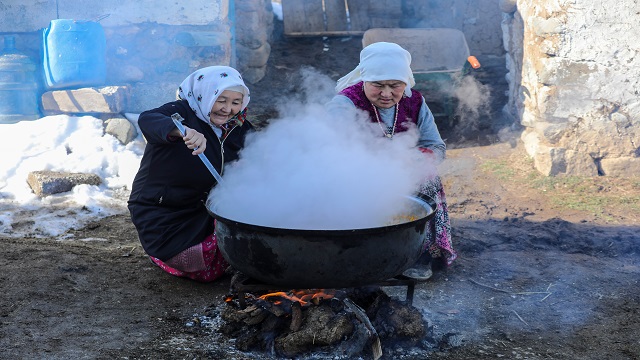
{"x": 418, "y": 273}
{"x": 421, "y": 270}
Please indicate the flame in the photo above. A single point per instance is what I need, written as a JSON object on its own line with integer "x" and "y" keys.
{"x": 304, "y": 297}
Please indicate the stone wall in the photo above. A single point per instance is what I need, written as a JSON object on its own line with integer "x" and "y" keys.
{"x": 253, "y": 31}
{"x": 574, "y": 73}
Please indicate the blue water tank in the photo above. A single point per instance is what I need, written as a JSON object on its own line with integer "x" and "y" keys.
{"x": 74, "y": 54}
{"x": 19, "y": 90}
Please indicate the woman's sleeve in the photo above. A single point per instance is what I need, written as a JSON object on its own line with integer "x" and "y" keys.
{"x": 156, "y": 124}
{"x": 340, "y": 106}
{"x": 429, "y": 135}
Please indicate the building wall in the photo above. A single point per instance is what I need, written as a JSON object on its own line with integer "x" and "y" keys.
{"x": 151, "y": 45}
{"x": 31, "y": 15}
{"x": 574, "y": 72}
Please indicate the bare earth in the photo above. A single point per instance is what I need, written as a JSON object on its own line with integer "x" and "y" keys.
{"x": 537, "y": 278}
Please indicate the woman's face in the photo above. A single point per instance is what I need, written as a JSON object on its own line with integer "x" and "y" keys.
{"x": 226, "y": 106}
{"x": 385, "y": 93}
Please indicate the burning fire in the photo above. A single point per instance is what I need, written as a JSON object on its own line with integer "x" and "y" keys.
{"x": 303, "y": 297}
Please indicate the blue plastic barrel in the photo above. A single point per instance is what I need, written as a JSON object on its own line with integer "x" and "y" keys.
{"x": 18, "y": 85}
{"x": 74, "y": 54}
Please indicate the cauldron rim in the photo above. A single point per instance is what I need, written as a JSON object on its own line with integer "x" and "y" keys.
{"x": 319, "y": 232}
{"x": 327, "y": 232}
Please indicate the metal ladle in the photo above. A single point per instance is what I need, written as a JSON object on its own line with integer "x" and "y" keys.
{"x": 177, "y": 120}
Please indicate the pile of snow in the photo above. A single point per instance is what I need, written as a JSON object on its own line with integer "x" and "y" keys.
{"x": 277, "y": 9}
{"x": 66, "y": 144}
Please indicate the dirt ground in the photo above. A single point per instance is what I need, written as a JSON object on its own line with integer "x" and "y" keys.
{"x": 536, "y": 278}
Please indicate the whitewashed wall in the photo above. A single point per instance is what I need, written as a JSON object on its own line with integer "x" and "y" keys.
{"x": 574, "y": 72}
{"x": 31, "y": 15}
{"x": 151, "y": 44}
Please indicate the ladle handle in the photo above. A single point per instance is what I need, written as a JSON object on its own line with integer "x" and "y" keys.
{"x": 177, "y": 120}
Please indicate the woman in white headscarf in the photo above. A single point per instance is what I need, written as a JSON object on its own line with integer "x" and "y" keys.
{"x": 381, "y": 86}
{"x": 167, "y": 202}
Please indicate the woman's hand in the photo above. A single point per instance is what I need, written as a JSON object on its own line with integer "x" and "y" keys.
{"x": 194, "y": 140}
{"x": 431, "y": 156}
{"x": 428, "y": 152}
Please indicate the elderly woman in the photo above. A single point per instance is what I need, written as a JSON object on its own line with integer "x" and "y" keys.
{"x": 167, "y": 202}
{"x": 381, "y": 86}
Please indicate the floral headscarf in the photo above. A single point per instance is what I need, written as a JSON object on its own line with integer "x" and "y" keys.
{"x": 202, "y": 88}
{"x": 378, "y": 62}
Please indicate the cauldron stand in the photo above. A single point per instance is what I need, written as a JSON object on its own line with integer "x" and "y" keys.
{"x": 249, "y": 285}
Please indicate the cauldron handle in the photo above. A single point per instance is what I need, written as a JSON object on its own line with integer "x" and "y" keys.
{"x": 425, "y": 201}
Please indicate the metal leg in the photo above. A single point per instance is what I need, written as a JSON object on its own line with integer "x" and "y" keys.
{"x": 410, "y": 290}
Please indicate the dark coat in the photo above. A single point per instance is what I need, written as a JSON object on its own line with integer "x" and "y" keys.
{"x": 168, "y": 195}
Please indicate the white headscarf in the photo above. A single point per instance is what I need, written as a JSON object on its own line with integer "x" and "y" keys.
{"x": 378, "y": 62}
{"x": 202, "y": 88}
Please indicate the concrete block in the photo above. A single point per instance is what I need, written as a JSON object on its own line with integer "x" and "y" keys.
{"x": 109, "y": 99}
{"x": 46, "y": 182}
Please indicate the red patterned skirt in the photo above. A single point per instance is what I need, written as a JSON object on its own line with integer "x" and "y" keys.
{"x": 439, "y": 227}
{"x": 202, "y": 262}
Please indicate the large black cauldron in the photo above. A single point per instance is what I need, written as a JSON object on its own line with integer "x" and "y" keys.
{"x": 304, "y": 259}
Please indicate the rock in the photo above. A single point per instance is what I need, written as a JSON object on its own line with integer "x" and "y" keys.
{"x": 622, "y": 166}
{"x": 47, "y": 182}
{"x": 129, "y": 74}
{"x": 254, "y": 57}
{"x": 122, "y": 129}
{"x": 542, "y": 27}
{"x": 254, "y": 74}
{"x": 580, "y": 163}
{"x": 508, "y": 6}
{"x": 552, "y": 133}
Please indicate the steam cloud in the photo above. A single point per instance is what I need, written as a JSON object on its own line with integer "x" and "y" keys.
{"x": 473, "y": 103}
{"x": 315, "y": 169}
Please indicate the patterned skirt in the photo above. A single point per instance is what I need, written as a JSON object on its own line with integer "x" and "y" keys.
{"x": 439, "y": 227}
{"x": 202, "y": 262}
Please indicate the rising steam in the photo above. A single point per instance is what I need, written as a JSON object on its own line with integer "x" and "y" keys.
{"x": 316, "y": 169}
{"x": 473, "y": 104}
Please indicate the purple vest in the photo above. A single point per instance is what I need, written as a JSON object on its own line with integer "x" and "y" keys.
{"x": 408, "y": 107}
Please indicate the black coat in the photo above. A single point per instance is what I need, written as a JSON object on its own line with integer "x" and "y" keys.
{"x": 168, "y": 195}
